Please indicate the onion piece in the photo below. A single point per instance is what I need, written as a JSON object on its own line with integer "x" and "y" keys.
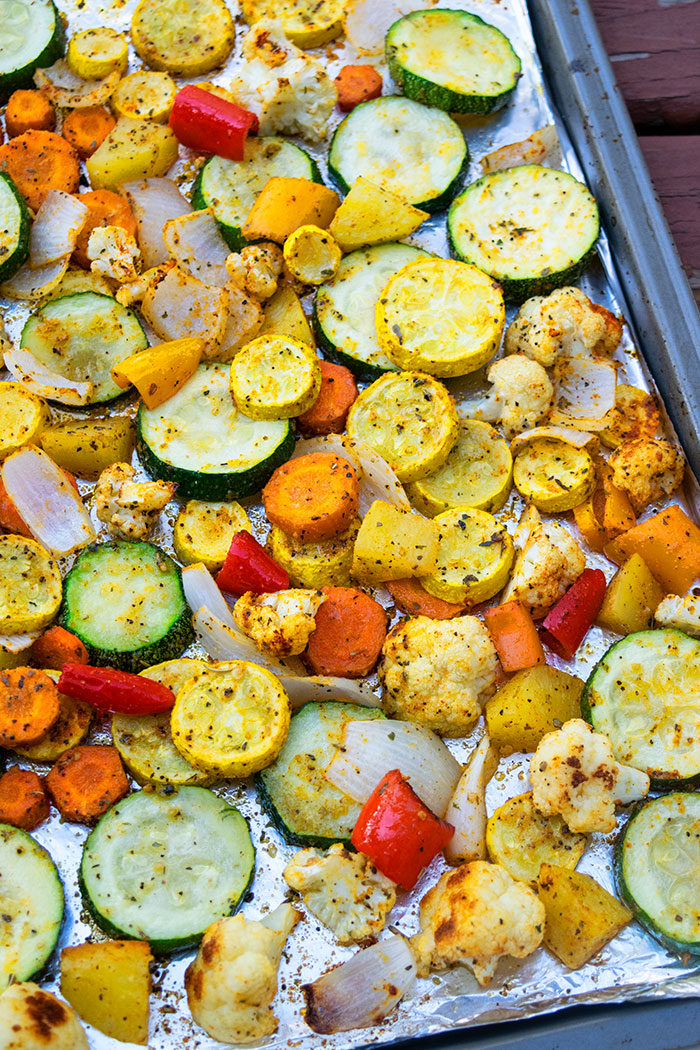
{"x": 62, "y": 87}
{"x": 230, "y": 643}
{"x": 180, "y": 307}
{"x": 577, "y": 438}
{"x": 542, "y": 147}
{"x": 584, "y": 392}
{"x": 47, "y": 503}
{"x": 366, "y": 22}
{"x": 370, "y": 749}
{"x": 201, "y": 591}
{"x": 17, "y": 643}
{"x": 303, "y": 688}
{"x": 335, "y": 443}
{"x": 362, "y": 991}
{"x": 55, "y": 229}
{"x": 467, "y": 807}
{"x": 154, "y": 202}
{"x": 196, "y": 245}
{"x": 30, "y": 283}
{"x": 41, "y": 380}
{"x": 377, "y": 479}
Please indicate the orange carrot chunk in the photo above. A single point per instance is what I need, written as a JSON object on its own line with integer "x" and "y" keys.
{"x": 329, "y": 411}
{"x": 515, "y": 636}
{"x": 38, "y": 162}
{"x": 29, "y": 111}
{"x": 57, "y": 647}
{"x": 412, "y": 598}
{"x": 87, "y": 128}
{"x": 23, "y": 799}
{"x": 29, "y": 706}
{"x": 313, "y": 497}
{"x": 86, "y": 781}
{"x": 10, "y": 520}
{"x": 669, "y": 543}
{"x": 357, "y": 84}
{"x": 105, "y": 208}
{"x": 349, "y": 635}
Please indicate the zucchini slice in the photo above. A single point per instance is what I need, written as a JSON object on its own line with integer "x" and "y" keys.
{"x": 185, "y": 37}
{"x": 554, "y": 475}
{"x": 32, "y": 906}
{"x": 657, "y": 868}
{"x": 305, "y": 807}
{"x": 125, "y": 602}
{"x": 30, "y": 585}
{"x": 274, "y": 377}
{"x": 231, "y": 187}
{"x": 414, "y": 151}
{"x": 520, "y": 839}
{"x": 200, "y": 440}
{"x": 14, "y": 225}
{"x": 161, "y": 868}
{"x": 82, "y": 336}
{"x": 475, "y": 555}
{"x": 344, "y": 308}
{"x": 31, "y": 37}
{"x": 531, "y": 228}
{"x": 203, "y": 532}
{"x": 452, "y": 60}
{"x": 644, "y": 695}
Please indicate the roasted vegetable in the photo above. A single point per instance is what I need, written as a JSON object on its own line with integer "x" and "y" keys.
{"x": 581, "y": 916}
{"x": 393, "y": 544}
{"x": 286, "y": 204}
{"x": 371, "y": 214}
{"x": 86, "y": 447}
{"x": 631, "y": 598}
{"x": 530, "y": 704}
{"x": 135, "y": 149}
{"x": 520, "y": 839}
{"x": 108, "y": 984}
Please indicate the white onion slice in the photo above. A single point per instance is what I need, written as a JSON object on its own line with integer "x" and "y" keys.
{"x": 17, "y": 643}
{"x": 230, "y": 643}
{"x": 335, "y": 443}
{"x": 584, "y": 392}
{"x": 61, "y": 85}
{"x": 55, "y": 229}
{"x": 201, "y": 591}
{"x": 154, "y": 202}
{"x": 180, "y": 306}
{"x": 577, "y": 438}
{"x": 41, "y": 380}
{"x": 467, "y": 808}
{"x": 362, "y": 991}
{"x": 30, "y": 283}
{"x": 377, "y": 479}
{"x": 195, "y": 243}
{"x": 367, "y": 21}
{"x": 371, "y": 749}
{"x": 47, "y": 503}
{"x": 303, "y": 688}
{"x": 542, "y": 147}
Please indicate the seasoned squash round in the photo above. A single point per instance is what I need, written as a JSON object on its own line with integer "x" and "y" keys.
{"x": 520, "y": 839}
{"x": 326, "y": 563}
{"x": 70, "y": 728}
{"x": 554, "y": 475}
{"x": 23, "y": 416}
{"x": 145, "y": 95}
{"x": 203, "y": 531}
{"x": 185, "y": 37}
{"x": 634, "y": 416}
{"x": 30, "y": 585}
{"x": 95, "y": 53}
{"x": 477, "y": 473}
{"x": 307, "y": 23}
{"x": 475, "y": 554}
{"x": 274, "y": 377}
{"x": 312, "y": 255}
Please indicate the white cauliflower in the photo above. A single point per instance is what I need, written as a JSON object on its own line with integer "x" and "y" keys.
{"x": 574, "y": 773}
{"x": 135, "y": 291}
{"x": 474, "y": 916}
{"x": 113, "y": 253}
{"x": 279, "y": 623}
{"x": 521, "y": 396}
{"x": 683, "y": 614}
{"x": 233, "y": 980}
{"x": 32, "y": 1019}
{"x": 438, "y": 672}
{"x": 547, "y": 562}
{"x": 129, "y": 507}
{"x": 343, "y": 890}
{"x": 288, "y": 90}
{"x": 647, "y": 470}
{"x": 257, "y": 268}
{"x": 563, "y": 324}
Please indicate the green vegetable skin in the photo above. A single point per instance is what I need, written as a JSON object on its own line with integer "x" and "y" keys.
{"x": 31, "y": 37}
{"x": 14, "y": 228}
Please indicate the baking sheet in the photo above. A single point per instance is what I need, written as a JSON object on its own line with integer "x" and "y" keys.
{"x": 633, "y": 964}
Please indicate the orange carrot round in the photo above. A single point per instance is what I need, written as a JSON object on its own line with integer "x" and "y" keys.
{"x": 57, "y": 647}
{"x": 86, "y": 781}
{"x": 329, "y": 411}
{"x": 313, "y": 497}
{"x": 349, "y": 635}
{"x": 105, "y": 208}
{"x": 357, "y": 84}
{"x": 87, "y": 128}
{"x": 29, "y": 111}
{"x": 413, "y": 599}
{"x": 23, "y": 799}
{"x": 29, "y": 706}
{"x": 38, "y": 162}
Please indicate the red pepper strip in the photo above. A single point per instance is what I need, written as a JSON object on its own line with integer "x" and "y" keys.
{"x": 210, "y": 124}
{"x": 566, "y": 624}
{"x": 398, "y": 832}
{"x": 110, "y": 690}
{"x": 248, "y": 567}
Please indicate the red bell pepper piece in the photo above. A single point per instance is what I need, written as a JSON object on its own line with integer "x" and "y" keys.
{"x": 398, "y": 832}
{"x": 111, "y": 690}
{"x": 566, "y": 624}
{"x": 210, "y": 124}
{"x": 248, "y": 567}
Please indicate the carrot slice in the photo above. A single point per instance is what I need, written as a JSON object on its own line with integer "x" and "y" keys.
{"x": 57, "y": 647}
{"x": 105, "y": 208}
{"x": 357, "y": 84}
{"x": 329, "y": 411}
{"x": 29, "y": 111}
{"x": 412, "y": 598}
{"x": 87, "y": 128}
{"x": 515, "y": 636}
{"x": 313, "y": 497}
{"x": 23, "y": 799}
{"x": 10, "y": 520}
{"x": 86, "y": 781}
{"x": 29, "y": 706}
{"x": 349, "y": 635}
{"x": 38, "y": 162}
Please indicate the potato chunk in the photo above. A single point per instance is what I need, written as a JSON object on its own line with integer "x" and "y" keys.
{"x": 393, "y": 544}
{"x": 134, "y": 149}
{"x": 631, "y": 598}
{"x": 86, "y": 447}
{"x": 581, "y": 916}
{"x": 533, "y": 702}
{"x": 108, "y": 985}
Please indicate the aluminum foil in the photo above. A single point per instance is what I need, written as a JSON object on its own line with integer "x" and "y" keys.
{"x": 633, "y": 965}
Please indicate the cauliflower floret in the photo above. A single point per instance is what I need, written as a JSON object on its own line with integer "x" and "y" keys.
{"x": 279, "y": 623}
{"x": 474, "y": 916}
{"x": 232, "y": 982}
{"x": 257, "y": 267}
{"x": 32, "y": 1019}
{"x": 647, "y": 470}
{"x": 563, "y": 324}
{"x": 574, "y": 773}
{"x": 129, "y": 507}
{"x": 287, "y": 89}
{"x": 521, "y": 396}
{"x": 438, "y": 672}
{"x": 113, "y": 253}
{"x": 135, "y": 291}
{"x": 548, "y": 561}
{"x": 681, "y": 613}
{"x": 343, "y": 890}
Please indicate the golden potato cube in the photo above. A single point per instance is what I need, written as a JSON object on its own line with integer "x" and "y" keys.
{"x": 394, "y": 544}
{"x": 631, "y": 598}
{"x": 134, "y": 149}
{"x": 108, "y": 985}
{"x": 370, "y": 215}
{"x": 581, "y": 916}
{"x": 531, "y": 703}
{"x": 285, "y": 204}
{"x": 86, "y": 446}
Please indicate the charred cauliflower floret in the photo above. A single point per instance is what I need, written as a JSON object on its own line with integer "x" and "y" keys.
{"x": 547, "y": 562}
{"x": 683, "y": 614}
{"x": 279, "y": 623}
{"x": 438, "y": 672}
{"x": 343, "y": 890}
{"x": 232, "y": 982}
{"x": 258, "y": 268}
{"x": 474, "y": 916}
{"x": 563, "y": 324}
{"x": 136, "y": 290}
{"x": 647, "y": 470}
{"x": 113, "y": 252}
{"x": 130, "y": 508}
{"x": 32, "y": 1019}
{"x": 574, "y": 773}
{"x": 288, "y": 90}
{"x": 521, "y": 396}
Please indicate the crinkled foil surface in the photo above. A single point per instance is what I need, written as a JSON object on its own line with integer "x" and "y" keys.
{"x": 633, "y": 965}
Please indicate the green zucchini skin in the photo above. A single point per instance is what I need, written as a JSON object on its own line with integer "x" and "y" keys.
{"x": 14, "y": 202}
{"x": 21, "y": 77}
{"x": 362, "y": 369}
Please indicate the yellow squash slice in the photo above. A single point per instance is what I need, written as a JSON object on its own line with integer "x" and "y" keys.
{"x": 520, "y": 839}
{"x": 634, "y": 416}
{"x": 23, "y": 416}
{"x": 95, "y": 53}
{"x": 474, "y": 558}
{"x": 315, "y": 565}
{"x": 307, "y": 23}
{"x": 145, "y": 95}
{"x": 203, "y": 532}
{"x": 554, "y": 475}
{"x": 30, "y": 585}
{"x": 70, "y": 728}
{"x": 185, "y": 37}
{"x": 275, "y": 378}
{"x": 312, "y": 255}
